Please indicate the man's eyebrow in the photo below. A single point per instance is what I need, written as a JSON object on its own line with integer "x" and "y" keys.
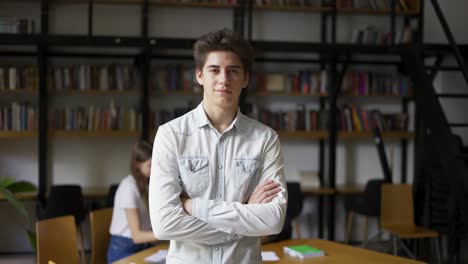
{"x": 230, "y": 66}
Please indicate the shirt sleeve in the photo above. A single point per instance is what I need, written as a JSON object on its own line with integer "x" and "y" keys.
{"x": 168, "y": 218}
{"x": 250, "y": 219}
{"x": 127, "y": 195}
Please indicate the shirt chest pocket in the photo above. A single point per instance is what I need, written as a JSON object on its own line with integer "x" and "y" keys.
{"x": 246, "y": 177}
{"x": 193, "y": 174}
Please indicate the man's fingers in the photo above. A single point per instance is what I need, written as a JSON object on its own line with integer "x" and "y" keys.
{"x": 270, "y": 195}
{"x": 264, "y": 192}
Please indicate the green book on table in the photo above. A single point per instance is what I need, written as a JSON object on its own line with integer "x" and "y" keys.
{"x": 303, "y": 251}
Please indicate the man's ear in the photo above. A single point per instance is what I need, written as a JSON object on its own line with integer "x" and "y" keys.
{"x": 199, "y": 76}
{"x": 246, "y": 80}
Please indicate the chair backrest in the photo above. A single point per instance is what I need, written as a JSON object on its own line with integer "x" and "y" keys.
{"x": 295, "y": 199}
{"x": 111, "y": 195}
{"x": 372, "y": 194}
{"x": 65, "y": 200}
{"x": 397, "y": 205}
{"x": 100, "y": 223}
{"x": 57, "y": 240}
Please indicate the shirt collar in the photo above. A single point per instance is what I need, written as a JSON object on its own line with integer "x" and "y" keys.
{"x": 202, "y": 120}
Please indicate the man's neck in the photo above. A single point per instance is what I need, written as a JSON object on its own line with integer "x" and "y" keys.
{"x": 220, "y": 118}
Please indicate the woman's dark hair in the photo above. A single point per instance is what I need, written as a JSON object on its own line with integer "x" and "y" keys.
{"x": 223, "y": 40}
{"x": 141, "y": 152}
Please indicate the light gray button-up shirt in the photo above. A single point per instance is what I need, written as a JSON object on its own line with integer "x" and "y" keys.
{"x": 219, "y": 171}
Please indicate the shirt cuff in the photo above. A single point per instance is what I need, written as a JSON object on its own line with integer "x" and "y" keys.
{"x": 200, "y": 209}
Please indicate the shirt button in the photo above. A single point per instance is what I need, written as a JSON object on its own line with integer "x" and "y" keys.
{"x": 221, "y": 139}
{"x": 220, "y": 166}
{"x": 236, "y": 236}
{"x": 219, "y": 195}
{"x": 216, "y": 248}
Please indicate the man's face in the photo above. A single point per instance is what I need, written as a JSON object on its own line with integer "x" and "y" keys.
{"x": 223, "y": 78}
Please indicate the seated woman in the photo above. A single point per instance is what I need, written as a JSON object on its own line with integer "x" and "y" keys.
{"x": 130, "y": 227}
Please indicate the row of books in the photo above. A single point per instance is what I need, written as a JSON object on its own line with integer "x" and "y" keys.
{"x": 315, "y": 82}
{"x": 16, "y": 26}
{"x": 350, "y": 119}
{"x": 160, "y": 117}
{"x": 177, "y": 77}
{"x": 304, "y": 82}
{"x": 18, "y": 77}
{"x": 95, "y": 119}
{"x": 18, "y": 117}
{"x": 102, "y": 77}
{"x": 174, "y": 77}
{"x": 370, "y": 36}
{"x": 404, "y": 5}
{"x": 375, "y": 83}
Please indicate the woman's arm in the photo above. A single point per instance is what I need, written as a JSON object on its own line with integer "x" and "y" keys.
{"x": 138, "y": 236}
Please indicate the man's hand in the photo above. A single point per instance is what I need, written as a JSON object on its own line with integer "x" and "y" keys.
{"x": 186, "y": 203}
{"x": 265, "y": 192}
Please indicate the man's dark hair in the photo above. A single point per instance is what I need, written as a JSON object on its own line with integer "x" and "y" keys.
{"x": 223, "y": 40}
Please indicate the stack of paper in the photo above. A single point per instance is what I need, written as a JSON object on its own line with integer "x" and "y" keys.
{"x": 158, "y": 257}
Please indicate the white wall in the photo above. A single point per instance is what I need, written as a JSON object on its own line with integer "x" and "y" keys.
{"x": 99, "y": 162}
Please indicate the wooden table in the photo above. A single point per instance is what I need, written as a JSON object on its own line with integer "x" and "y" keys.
{"x": 336, "y": 253}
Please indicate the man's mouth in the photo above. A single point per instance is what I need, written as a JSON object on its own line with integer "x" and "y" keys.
{"x": 221, "y": 91}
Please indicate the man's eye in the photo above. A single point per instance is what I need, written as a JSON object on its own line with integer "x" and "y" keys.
{"x": 214, "y": 70}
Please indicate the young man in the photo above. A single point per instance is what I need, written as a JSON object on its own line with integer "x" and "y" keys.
{"x": 217, "y": 182}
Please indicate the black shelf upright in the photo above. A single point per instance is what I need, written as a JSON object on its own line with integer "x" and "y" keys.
{"x": 42, "y": 62}
{"x": 145, "y": 70}
{"x": 333, "y": 92}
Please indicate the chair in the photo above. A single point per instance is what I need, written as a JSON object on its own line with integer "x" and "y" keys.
{"x": 397, "y": 218}
{"x": 57, "y": 240}
{"x": 295, "y": 204}
{"x": 111, "y": 195}
{"x": 100, "y": 222}
{"x": 366, "y": 204}
{"x": 66, "y": 200}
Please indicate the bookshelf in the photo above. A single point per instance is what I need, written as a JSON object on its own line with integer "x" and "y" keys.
{"x": 46, "y": 46}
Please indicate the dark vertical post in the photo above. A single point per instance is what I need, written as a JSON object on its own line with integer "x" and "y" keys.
{"x": 321, "y": 174}
{"x": 333, "y": 130}
{"x": 323, "y": 24}
{"x": 250, "y": 14}
{"x": 393, "y": 23}
{"x": 333, "y": 28}
{"x": 43, "y": 100}
{"x": 145, "y": 66}
{"x": 239, "y": 16}
{"x": 420, "y": 32}
{"x": 404, "y": 146}
{"x": 90, "y": 17}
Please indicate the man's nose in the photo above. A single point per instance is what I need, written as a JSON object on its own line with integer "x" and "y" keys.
{"x": 224, "y": 77}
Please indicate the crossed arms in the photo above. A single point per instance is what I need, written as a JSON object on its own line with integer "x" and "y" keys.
{"x": 173, "y": 216}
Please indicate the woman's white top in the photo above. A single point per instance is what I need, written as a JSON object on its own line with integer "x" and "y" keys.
{"x": 127, "y": 196}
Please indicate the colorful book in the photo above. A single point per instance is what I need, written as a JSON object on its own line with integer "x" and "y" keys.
{"x": 303, "y": 251}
